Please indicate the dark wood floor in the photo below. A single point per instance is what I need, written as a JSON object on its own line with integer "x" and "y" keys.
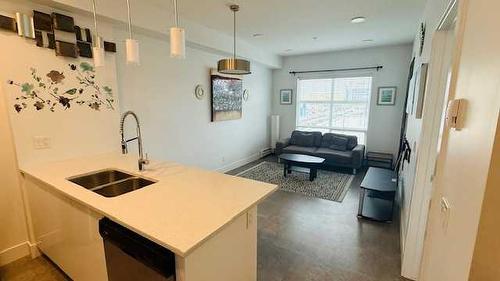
{"x": 299, "y": 239}
{"x": 310, "y": 239}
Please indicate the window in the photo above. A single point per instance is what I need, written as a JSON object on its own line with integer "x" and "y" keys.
{"x": 337, "y": 105}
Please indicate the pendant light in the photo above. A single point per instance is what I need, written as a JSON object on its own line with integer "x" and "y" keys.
{"x": 177, "y": 37}
{"x": 234, "y": 65}
{"x": 131, "y": 45}
{"x": 98, "y": 49}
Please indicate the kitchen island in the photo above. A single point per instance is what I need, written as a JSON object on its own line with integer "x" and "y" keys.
{"x": 207, "y": 219}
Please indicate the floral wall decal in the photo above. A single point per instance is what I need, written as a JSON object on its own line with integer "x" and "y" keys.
{"x": 50, "y": 93}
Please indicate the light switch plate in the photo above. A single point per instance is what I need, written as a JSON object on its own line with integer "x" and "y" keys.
{"x": 41, "y": 142}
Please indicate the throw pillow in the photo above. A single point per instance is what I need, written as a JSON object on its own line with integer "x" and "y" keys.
{"x": 339, "y": 143}
{"x": 302, "y": 139}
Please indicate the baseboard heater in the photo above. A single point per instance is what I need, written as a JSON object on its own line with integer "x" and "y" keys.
{"x": 266, "y": 151}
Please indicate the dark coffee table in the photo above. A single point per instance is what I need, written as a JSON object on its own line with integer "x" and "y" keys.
{"x": 301, "y": 163}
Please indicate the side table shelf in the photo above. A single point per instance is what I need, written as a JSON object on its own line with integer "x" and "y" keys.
{"x": 376, "y": 198}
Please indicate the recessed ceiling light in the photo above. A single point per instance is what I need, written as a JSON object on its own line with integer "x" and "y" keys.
{"x": 315, "y": 38}
{"x": 358, "y": 20}
{"x": 258, "y": 35}
{"x": 368, "y": 40}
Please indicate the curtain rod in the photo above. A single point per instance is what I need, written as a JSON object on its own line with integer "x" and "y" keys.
{"x": 378, "y": 67}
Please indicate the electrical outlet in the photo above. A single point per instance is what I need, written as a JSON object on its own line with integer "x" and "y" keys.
{"x": 41, "y": 142}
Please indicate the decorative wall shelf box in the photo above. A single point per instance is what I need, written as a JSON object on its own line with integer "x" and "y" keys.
{"x": 42, "y": 21}
{"x": 109, "y": 47}
{"x": 66, "y": 49}
{"x": 45, "y": 40}
{"x": 84, "y": 49}
{"x": 8, "y": 23}
{"x": 63, "y": 22}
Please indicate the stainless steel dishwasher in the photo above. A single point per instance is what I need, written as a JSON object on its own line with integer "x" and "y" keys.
{"x": 131, "y": 257}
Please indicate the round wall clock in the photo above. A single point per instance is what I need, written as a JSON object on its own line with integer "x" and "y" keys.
{"x": 199, "y": 92}
{"x": 245, "y": 95}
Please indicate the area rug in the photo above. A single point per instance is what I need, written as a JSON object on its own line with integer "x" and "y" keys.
{"x": 328, "y": 185}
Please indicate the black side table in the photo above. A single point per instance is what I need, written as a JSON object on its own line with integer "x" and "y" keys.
{"x": 376, "y": 198}
{"x": 379, "y": 159}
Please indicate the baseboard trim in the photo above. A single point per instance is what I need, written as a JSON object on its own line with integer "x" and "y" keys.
{"x": 14, "y": 253}
{"x": 239, "y": 163}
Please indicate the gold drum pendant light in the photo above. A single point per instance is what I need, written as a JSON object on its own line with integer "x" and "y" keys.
{"x": 234, "y": 65}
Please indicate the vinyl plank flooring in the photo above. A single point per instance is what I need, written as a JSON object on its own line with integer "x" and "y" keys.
{"x": 303, "y": 238}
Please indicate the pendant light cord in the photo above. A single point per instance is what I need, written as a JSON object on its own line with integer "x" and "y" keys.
{"x": 176, "y": 14}
{"x": 234, "y": 34}
{"x": 129, "y": 20}
{"x": 95, "y": 18}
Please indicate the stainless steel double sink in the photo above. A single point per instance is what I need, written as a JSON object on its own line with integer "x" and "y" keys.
{"x": 110, "y": 182}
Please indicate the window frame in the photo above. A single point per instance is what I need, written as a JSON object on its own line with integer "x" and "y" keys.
{"x": 331, "y": 102}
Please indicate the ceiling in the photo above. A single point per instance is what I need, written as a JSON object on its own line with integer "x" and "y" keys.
{"x": 289, "y": 26}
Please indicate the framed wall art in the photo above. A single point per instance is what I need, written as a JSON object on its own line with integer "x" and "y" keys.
{"x": 386, "y": 96}
{"x": 286, "y": 96}
{"x": 227, "y": 97}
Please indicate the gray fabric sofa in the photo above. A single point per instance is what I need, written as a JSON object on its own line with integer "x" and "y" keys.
{"x": 337, "y": 150}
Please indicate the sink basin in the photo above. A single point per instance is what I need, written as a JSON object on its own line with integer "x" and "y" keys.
{"x": 96, "y": 179}
{"x": 122, "y": 187}
{"x": 110, "y": 183}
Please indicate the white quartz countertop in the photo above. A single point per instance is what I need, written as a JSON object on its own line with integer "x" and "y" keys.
{"x": 182, "y": 209}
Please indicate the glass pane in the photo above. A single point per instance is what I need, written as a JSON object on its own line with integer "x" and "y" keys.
{"x": 350, "y": 115}
{"x": 361, "y": 135}
{"x": 315, "y": 90}
{"x": 313, "y": 114}
{"x": 309, "y": 129}
{"x": 354, "y": 89}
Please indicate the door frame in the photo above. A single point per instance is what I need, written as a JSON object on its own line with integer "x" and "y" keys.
{"x": 441, "y": 62}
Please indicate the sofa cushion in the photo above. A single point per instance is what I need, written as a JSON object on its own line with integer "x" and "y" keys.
{"x": 339, "y": 143}
{"x": 328, "y": 140}
{"x": 335, "y": 156}
{"x": 304, "y": 138}
{"x": 295, "y": 149}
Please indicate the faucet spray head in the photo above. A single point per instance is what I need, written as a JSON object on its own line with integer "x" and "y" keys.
{"x": 124, "y": 147}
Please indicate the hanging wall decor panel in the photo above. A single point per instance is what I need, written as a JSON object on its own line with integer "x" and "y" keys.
{"x": 8, "y": 23}
{"x": 63, "y": 89}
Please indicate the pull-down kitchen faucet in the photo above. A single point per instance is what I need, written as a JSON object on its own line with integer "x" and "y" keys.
{"x": 142, "y": 161}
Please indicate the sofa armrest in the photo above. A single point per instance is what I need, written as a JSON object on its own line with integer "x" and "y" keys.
{"x": 358, "y": 155}
{"x": 280, "y": 145}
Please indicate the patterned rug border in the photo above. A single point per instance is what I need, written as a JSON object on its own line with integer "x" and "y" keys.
{"x": 346, "y": 183}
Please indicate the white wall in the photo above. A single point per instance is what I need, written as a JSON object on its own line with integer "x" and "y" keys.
{"x": 73, "y": 132}
{"x": 385, "y": 121}
{"x": 176, "y": 126}
{"x": 76, "y": 131}
{"x": 13, "y": 233}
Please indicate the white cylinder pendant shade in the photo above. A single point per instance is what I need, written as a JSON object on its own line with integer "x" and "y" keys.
{"x": 177, "y": 43}
{"x": 132, "y": 47}
{"x": 99, "y": 58}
